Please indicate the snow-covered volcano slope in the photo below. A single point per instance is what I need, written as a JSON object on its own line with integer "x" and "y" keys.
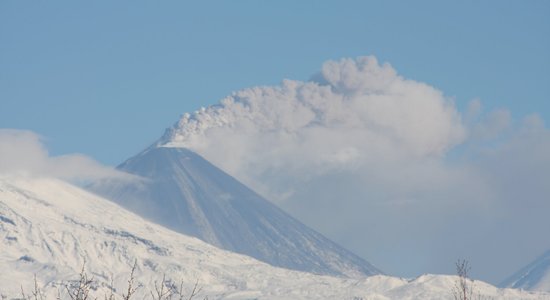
{"x": 186, "y": 193}
{"x": 535, "y": 276}
{"x": 49, "y": 228}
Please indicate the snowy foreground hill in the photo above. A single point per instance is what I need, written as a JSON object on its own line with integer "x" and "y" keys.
{"x": 50, "y": 228}
{"x": 535, "y": 276}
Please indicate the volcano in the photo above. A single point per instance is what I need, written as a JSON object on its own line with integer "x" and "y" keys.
{"x": 184, "y": 192}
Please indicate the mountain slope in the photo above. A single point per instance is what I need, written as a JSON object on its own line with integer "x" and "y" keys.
{"x": 49, "y": 228}
{"x": 534, "y": 277}
{"x": 186, "y": 193}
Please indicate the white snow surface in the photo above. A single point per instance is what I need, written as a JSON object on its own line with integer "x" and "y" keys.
{"x": 534, "y": 277}
{"x": 51, "y": 228}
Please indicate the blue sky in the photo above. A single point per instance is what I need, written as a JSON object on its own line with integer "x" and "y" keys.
{"x": 86, "y": 75}
{"x": 106, "y": 78}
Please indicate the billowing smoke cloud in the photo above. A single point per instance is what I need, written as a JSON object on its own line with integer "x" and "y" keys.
{"x": 22, "y": 153}
{"x": 356, "y": 112}
{"x": 387, "y": 166}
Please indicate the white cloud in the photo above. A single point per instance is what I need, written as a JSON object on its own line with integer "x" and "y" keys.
{"x": 23, "y": 153}
{"x": 405, "y": 180}
{"x": 487, "y": 203}
{"x": 358, "y": 112}
{"x": 494, "y": 124}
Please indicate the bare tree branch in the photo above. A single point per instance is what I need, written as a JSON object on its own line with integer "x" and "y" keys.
{"x": 131, "y": 289}
{"x": 463, "y": 289}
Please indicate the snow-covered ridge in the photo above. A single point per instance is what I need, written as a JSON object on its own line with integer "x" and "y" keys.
{"x": 49, "y": 228}
{"x": 535, "y": 276}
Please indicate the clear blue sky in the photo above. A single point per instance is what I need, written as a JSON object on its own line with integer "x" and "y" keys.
{"x": 105, "y": 78}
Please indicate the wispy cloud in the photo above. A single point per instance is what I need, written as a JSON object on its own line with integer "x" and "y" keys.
{"x": 23, "y": 153}
{"x": 405, "y": 179}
